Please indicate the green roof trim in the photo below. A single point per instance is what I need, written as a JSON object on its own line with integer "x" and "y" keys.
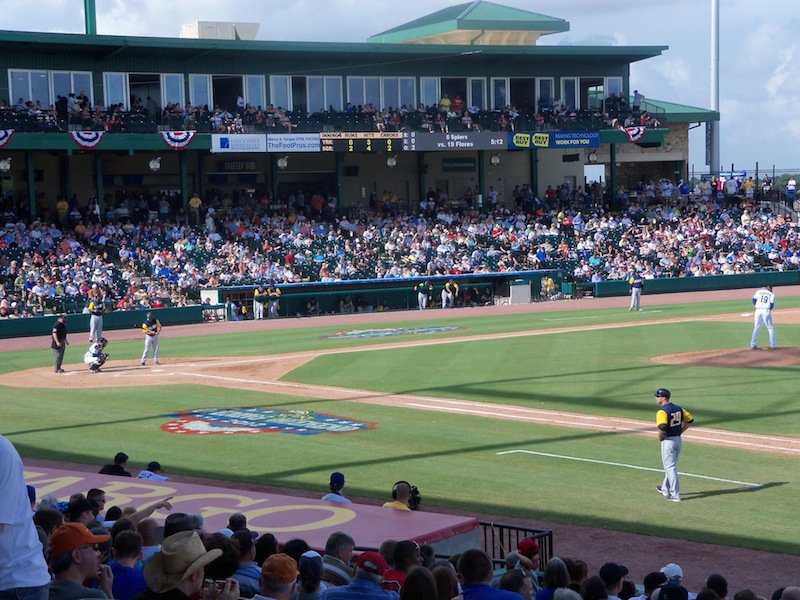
{"x": 617, "y": 136}
{"x": 682, "y": 113}
{"x": 105, "y": 45}
{"x": 472, "y": 16}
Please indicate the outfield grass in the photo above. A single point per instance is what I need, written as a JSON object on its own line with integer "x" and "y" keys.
{"x": 454, "y": 459}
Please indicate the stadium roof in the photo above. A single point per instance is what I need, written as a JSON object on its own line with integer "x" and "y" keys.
{"x": 476, "y": 23}
{"x": 681, "y": 113}
{"x": 104, "y": 46}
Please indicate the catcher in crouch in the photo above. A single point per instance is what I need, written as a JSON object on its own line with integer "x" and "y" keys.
{"x": 96, "y": 356}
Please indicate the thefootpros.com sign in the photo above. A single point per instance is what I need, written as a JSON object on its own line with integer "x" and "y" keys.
{"x": 205, "y": 421}
{"x": 389, "y": 332}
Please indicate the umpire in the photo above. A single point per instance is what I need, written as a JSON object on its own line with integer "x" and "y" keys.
{"x": 671, "y": 421}
{"x": 59, "y": 343}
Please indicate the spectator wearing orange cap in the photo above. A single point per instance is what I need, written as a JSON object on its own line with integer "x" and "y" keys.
{"x": 278, "y": 578}
{"x": 74, "y": 559}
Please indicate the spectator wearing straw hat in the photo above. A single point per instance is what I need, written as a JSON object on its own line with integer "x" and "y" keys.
{"x": 176, "y": 572}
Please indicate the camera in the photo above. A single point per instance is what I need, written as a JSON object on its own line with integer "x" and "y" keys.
{"x": 415, "y": 499}
{"x": 212, "y": 589}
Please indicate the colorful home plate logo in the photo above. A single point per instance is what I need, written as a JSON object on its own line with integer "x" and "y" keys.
{"x": 205, "y": 421}
{"x": 371, "y": 333}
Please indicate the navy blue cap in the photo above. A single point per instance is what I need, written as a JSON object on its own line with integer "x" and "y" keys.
{"x": 663, "y": 392}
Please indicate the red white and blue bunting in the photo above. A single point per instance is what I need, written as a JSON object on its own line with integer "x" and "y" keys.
{"x": 178, "y": 140}
{"x": 87, "y": 139}
{"x": 634, "y": 133}
{"x": 5, "y": 136}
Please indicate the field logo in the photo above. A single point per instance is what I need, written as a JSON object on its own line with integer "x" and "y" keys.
{"x": 205, "y": 421}
{"x": 357, "y": 334}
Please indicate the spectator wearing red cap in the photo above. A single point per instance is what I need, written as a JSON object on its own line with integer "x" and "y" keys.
{"x": 22, "y": 566}
{"x": 370, "y": 567}
{"x": 529, "y": 548}
{"x": 74, "y": 559}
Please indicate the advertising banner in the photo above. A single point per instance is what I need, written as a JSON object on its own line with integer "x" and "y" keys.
{"x": 293, "y": 142}
{"x": 553, "y": 139}
{"x": 238, "y": 142}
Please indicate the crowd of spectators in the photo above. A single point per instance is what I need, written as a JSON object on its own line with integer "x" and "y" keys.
{"x": 145, "y": 253}
{"x": 75, "y": 111}
{"x": 95, "y": 551}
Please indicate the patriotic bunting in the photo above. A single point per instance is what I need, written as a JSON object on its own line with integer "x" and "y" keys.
{"x": 87, "y": 139}
{"x": 178, "y": 140}
{"x": 634, "y": 133}
{"x": 5, "y": 136}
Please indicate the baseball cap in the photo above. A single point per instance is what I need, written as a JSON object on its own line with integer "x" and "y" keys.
{"x": 70, "y": 536}
{"x": 337, "y": 478}
{"x": 371, "y": 562}
{"x": 310, "y": 566}
{"x": 663, "y": 392}
{"x": 653, "y": 580}
{"x": 528, "y": 547}
{"x": 279, "y": 569}
{"x": 672, "y": 571}
{"x": 611, "y": 573}
{"x": 154, "y": 466}
{"x": 120, "y": 457}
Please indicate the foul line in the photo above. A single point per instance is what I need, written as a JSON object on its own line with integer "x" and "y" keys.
{"x": 627, "y": 466}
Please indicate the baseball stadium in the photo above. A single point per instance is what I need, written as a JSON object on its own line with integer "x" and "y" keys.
{"x": 480, "y": 348}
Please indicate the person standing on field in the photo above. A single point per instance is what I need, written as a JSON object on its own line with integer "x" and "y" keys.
{"x": 274, "y": 294}
{"x": 671, "y": 421}
{"x": 259, "y": 299}
{"x": 764, "y": 302}
{"x": 637, "y": 283}
{"x": 424, "y": 290}
{"x": 151, "y": 328}
{"x": 59, "y": 343}
{"x": 96, "y": 308}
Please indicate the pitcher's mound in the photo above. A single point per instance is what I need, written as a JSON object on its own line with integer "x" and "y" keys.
{"x": 761, "y": 357}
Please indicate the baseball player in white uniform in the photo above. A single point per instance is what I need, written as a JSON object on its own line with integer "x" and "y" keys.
{"x": 764, "y": 302}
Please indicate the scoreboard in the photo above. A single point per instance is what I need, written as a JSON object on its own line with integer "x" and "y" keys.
{"x": 369, "y": 141}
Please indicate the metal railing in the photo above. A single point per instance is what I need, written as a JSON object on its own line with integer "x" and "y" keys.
{"x": 499, "y": 539}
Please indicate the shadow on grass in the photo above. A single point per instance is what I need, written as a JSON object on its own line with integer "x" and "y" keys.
{"x": 749, "y": 489}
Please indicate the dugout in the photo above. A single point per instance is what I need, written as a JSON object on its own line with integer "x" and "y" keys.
{"x": 376, "y": 295}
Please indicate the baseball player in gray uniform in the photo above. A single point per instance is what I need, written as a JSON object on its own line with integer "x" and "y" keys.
{"x": 150, "y": 328}
{"x": 764, "y": 302}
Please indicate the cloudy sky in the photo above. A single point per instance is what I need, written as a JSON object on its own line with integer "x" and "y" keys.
{"x": 759, "y": 49}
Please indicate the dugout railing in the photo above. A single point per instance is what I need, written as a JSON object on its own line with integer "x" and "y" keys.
{"x": 498, "y": 539}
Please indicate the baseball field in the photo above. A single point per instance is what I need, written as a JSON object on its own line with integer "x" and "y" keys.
{"x": 541, "y": 413}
